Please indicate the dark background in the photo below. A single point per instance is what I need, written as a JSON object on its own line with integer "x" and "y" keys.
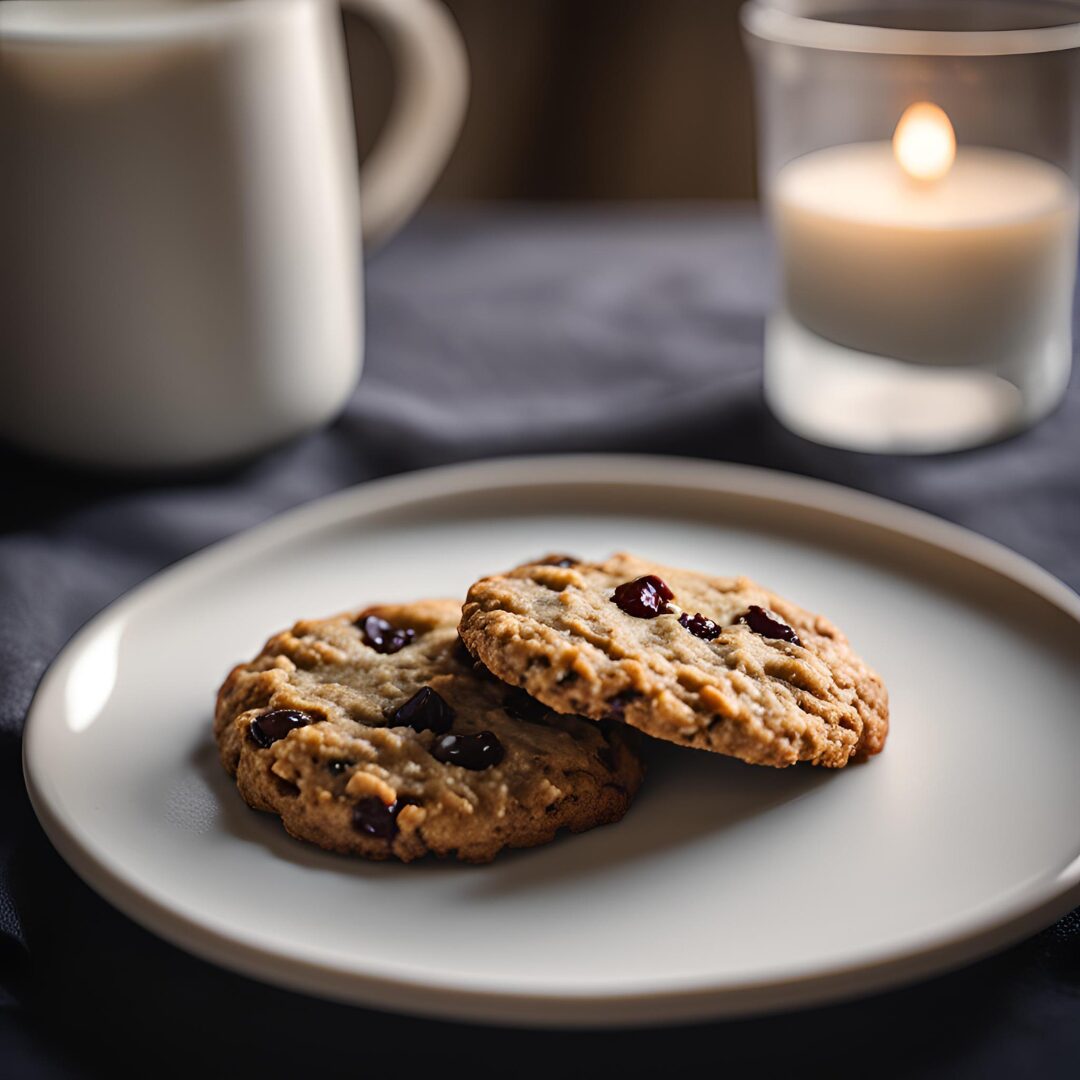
{"x": 588, "y": 99}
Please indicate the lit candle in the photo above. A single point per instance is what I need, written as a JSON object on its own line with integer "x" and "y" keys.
{"x": 924, "y": 252}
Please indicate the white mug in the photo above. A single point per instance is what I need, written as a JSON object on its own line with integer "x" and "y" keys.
{"x": 179, "y": 218}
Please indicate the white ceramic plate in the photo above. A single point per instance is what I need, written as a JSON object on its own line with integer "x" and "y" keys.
{"x": 727, "y": 889}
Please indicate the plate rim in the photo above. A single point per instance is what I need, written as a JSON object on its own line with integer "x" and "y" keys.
{"x": 1029, "y": 909}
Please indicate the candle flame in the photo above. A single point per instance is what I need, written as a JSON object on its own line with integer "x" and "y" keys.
{"x": 924, "y": 142}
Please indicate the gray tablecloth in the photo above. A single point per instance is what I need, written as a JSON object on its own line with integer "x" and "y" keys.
{"x": 491, "y": 333}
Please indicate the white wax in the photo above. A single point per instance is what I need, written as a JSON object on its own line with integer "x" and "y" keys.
{"x": 977, "y": 267}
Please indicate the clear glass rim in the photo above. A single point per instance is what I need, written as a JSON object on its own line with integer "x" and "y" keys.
{"x": 762, "y": 20}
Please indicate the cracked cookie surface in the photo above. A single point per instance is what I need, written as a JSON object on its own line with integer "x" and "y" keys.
{"x": 557, "y": 631}
{"x": 314, "y": 730}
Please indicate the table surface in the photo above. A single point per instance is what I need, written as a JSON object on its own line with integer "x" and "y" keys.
{"x": 492, "y": 332}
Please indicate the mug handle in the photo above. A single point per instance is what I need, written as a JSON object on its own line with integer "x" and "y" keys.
{"x": 426, "y": 114}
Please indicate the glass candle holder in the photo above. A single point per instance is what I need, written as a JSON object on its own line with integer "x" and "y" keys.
{"x": 920, "y": 165}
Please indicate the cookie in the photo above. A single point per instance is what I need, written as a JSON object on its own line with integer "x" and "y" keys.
{"x": 717, "y": 663}
{"x": 374, "y": 733}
